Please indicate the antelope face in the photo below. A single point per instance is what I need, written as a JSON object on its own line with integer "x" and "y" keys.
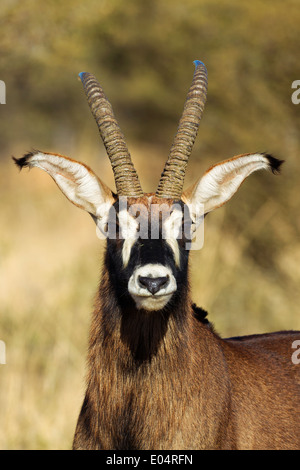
{"x": 146, "y": 240}
{"x": 146, "y": 237}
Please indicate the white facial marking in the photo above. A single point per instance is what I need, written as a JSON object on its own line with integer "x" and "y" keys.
{"x": 141, "y": 295}
{"x": 126, "y": 250}
{"x": 129, "y": 231}
{"x": 134, "y": 226}
{"x": 172, "y": 230}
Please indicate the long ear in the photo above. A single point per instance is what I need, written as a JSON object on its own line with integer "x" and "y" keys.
{"x": 76, "y": 180}
{"x": 222, "y": 180}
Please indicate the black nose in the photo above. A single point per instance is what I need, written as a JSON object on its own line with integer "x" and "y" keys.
{"x": 153, "y": 284}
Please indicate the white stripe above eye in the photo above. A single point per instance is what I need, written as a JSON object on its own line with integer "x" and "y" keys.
{"x": 173, "y": 244}
{"x": 172, "y": 230}
{"x": 129, "y": 232}
{"x": 126, "y": 250}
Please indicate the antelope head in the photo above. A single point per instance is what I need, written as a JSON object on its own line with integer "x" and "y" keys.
{"x": 146, "y": 234}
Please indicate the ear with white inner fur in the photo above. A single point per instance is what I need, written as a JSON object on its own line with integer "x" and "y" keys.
{"x": 222, "y": 180}
{"x": 77, "y": 182}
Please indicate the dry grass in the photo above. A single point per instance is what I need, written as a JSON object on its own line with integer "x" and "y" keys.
{"x": 248, "y": 274}
{"x": 50, "y": 264}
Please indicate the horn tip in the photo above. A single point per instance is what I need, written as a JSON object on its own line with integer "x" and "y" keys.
{"x": 198, "y": 62}
{"x": 81, "y": 75}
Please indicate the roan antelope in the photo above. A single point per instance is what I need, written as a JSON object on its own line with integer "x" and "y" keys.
{"x": 159, "y": 376}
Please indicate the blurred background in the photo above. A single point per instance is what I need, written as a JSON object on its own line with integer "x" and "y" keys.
{"x": 248, "y": 273}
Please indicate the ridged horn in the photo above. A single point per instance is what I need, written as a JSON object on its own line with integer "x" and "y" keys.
{"x": 126, "y": 178}
{"x": 172, "y": 178}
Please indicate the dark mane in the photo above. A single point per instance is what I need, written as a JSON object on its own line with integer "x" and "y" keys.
{"x": 200, "y": 314}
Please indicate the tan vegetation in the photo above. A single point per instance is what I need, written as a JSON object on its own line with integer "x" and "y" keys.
{"x": 248, "y": 274}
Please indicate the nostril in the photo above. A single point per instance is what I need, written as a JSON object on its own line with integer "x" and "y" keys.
{"x": 143, "y": 281}
{"x": 164, "y": 281}
{"x": 153, "y": 284}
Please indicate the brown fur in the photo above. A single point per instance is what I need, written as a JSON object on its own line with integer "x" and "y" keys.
{"x": 165, "y": 379}
{"x": 190, "y": 390}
